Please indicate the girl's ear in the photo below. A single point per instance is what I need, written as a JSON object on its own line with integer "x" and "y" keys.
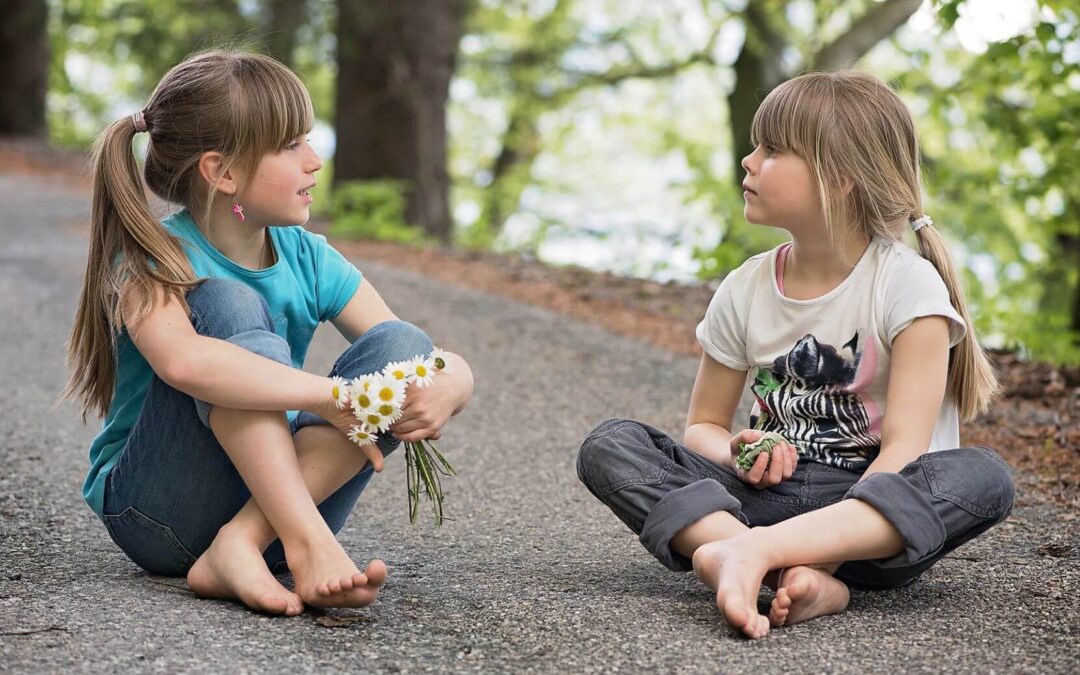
{"x": 846, "y": 185}
{"x": 219, "y": 178}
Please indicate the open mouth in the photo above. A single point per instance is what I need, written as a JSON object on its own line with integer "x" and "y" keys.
{"x": 306, "y": 192}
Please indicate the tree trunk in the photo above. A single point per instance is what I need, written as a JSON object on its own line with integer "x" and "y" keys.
{"x": 395, "y": 61}
{"x": 757, "y": 71}
{"x": 509, "y": 175}
{"x": 24, "y": 53}
{"x": 283, "y": 19}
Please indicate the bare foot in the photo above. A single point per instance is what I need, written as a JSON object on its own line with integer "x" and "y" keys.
{"x": 806, "y": 593}
{"x": 327, "y": 577}
{"x": 233, "y": 568}
{"x": 735, "y": 572}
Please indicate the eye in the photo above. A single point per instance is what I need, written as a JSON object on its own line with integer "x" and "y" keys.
{"x": 771, "y": 150}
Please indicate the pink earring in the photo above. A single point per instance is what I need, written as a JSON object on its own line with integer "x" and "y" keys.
{"x": 238, "y": 209}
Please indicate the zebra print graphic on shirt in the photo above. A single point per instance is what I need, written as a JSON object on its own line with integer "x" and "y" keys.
{"x": 808, "y": 397}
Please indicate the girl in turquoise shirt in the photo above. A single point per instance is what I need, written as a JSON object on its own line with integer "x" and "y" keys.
{"x": 219, "y": 458}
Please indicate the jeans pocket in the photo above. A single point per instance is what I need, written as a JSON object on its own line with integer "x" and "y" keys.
{"x": 150, "y": 544}
{"x": 975, "y": 479}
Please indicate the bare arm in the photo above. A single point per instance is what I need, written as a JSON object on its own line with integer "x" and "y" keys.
{"x": 219, "y": 372}
{"x": 716, "y": 394}
{"x": 426, "y": 409}
{"x": 917, "y": 379}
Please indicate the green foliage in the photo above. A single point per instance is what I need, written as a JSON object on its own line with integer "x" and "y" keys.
{"x": 372, "y": 210}
{"x": 1012, "y": 201}
{"x": 106, "y": 56}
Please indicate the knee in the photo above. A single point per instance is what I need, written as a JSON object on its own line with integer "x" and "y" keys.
{"x": 975, "y": 477}
{"x": 994, "y": 473}
{"x": 222, "y": 308}
{"x": 396, "y": 341}
{"x": 605, "y": 454}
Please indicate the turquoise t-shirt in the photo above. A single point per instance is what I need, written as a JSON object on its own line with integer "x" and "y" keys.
{"x": 310, "y": 282}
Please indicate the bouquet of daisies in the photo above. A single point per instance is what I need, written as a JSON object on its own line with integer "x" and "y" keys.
{"x": 376, "y": 400}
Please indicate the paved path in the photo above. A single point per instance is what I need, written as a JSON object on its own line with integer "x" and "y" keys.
{"x": 532, "y": 575}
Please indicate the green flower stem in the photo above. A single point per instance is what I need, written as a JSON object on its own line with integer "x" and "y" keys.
{"x": 423, "y": 466}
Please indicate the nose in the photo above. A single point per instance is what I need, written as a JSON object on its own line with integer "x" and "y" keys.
{"x": 314, "y": 162}
{"x": 748, "y": 163}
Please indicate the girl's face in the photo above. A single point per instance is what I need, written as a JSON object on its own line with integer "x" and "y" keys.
{"x": 779, "y": 189}
{"x": 278, "y": 193}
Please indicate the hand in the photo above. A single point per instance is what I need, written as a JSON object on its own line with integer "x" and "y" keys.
{"x": 343, "y": 419}
{"x": 425, "y": 411}
{"x": 770, "y": 468}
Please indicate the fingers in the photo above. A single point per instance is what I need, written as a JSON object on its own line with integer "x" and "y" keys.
{"x": 773, "y": 468}
{"x": 758, "y": 470}
{"x": 374, "y": 455}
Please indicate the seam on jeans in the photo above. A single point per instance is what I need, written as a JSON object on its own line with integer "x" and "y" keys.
{"x": 603, "y": 431}
{"x": 996, "y": 457}
{"x": 931, "y": 480}
{"x": 170, "y": 535}
{"x": 651, "y": 479}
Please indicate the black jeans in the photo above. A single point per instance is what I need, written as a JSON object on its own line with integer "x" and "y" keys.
{"x": 658, "y": 487}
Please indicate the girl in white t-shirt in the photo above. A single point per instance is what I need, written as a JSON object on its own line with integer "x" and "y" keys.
{"x": 860, "y": 354}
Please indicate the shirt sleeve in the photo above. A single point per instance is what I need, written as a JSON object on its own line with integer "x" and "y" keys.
{"x": 722, "y": 333}
{"x": 916, "y": 290}
{"x": 336, "y": 279}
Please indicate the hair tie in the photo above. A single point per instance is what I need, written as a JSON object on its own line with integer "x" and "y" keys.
{"x": 919, "y": 223}
{"x": 139, "y": 121}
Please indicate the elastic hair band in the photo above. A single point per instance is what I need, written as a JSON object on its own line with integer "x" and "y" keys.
{"x": 139, "y": 121}
{"x": 919, "y": 223}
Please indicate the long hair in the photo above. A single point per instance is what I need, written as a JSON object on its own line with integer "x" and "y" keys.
{"x": 859, "y": 139}
{"x": 242, "y": 105}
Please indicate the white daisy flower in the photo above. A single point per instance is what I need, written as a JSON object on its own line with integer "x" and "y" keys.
{"x": 361, "y": 435}
{"x": 364, "y": 382}
{"x": 389, "y": 391}
{"x": 340, "y": 392}
{"x": 373, "y": 420}
{"x": 422, "y": 370}
{"x": 397, "y": 370}
{"x": 362, "y": 401}
{"x": 438, "y": 357}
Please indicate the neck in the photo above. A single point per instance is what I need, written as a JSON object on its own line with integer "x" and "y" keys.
{"x": 816, "y": 259}
{"x": 245, "y": 243}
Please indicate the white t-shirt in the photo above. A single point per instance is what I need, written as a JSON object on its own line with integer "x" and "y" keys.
{"x": 821, "y": 366}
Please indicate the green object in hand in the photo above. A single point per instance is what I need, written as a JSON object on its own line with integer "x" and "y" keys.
{"x": 748, "y": 452}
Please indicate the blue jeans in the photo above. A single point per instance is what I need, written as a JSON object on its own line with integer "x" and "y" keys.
{"x": 174, "y": 487}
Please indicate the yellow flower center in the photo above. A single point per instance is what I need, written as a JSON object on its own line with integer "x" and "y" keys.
{"x": 421, "y": 371}
{"x": 373, "y": 420}
{"x": 440, "y": 363}
{"x": 398, "y": 374}
{"x": 386, "y": 410}
{"x": 337, "y": 392}
{"x": 386, "y": 394}
{"x": 363, "y": 400}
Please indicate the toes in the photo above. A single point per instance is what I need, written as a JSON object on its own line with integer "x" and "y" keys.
{"x": 376, "y": 573}
{"x": 323, "y": 590}
{"x": 782, "y": 599}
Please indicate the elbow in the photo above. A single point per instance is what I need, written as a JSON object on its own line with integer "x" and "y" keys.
{"x": 176, "y": 370}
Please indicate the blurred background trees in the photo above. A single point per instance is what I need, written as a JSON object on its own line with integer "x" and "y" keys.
{"x": 608, "y": 132}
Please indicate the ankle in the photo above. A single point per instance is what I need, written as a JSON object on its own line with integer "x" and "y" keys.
{"x": 309, "y": 543}
{"x": 245, "y": 534}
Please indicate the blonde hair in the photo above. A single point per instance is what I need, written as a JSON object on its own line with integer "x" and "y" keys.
{"x": 859, "y": 139}
{"x": 242, "y": 105}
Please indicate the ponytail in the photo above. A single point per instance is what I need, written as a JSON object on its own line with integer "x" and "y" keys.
{"x": 130, "y": 252}
{"x": 241, "y": 105}
{"x": 973, "y": 384}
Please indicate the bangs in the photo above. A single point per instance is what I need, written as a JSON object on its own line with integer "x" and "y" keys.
{"x": 271, "y": 107}
{"x": 792, "y": 117}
